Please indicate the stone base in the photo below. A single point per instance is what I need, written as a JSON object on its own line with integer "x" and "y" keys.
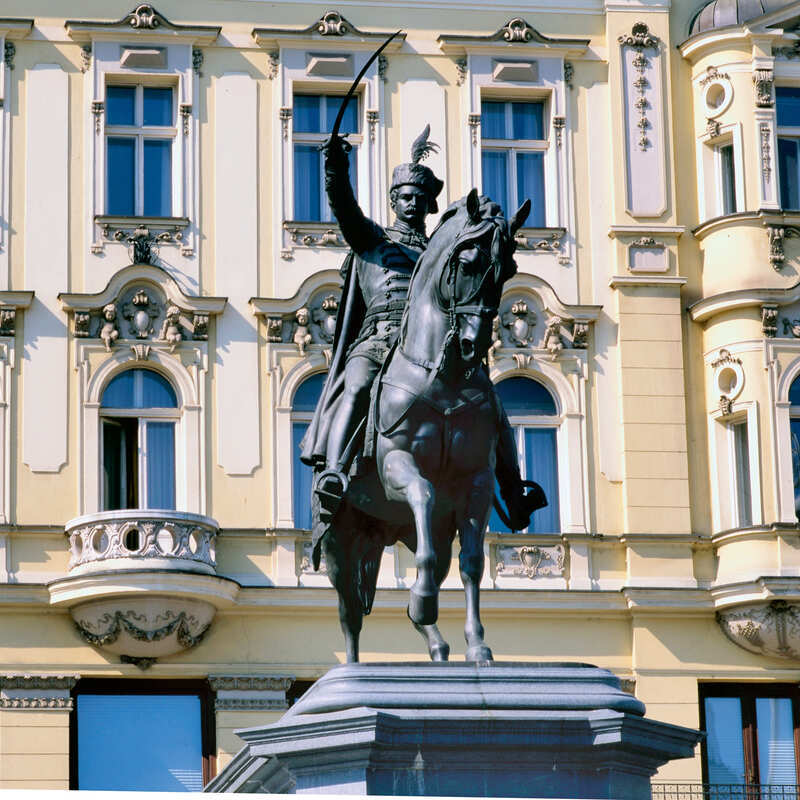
{"x": 460, "y": 729}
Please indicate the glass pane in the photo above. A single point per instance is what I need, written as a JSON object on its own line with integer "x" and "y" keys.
{"x": 541, "y": 465}
{"x": 775, "y": 733}
{"x": 794, "y": 392}
{"x": 326, "y": 215}
{"x": 302, "y": 477}
{"x": 528, "y": 120}
{"x": 118, "y": 734}
{"x": 493, "y": 120}
{"x": 306, "y": 115}
{"x": 120, "y": 176}
{"x": 787, "y": 166}
{"x": 157, "y": 106}
{"x": 724, "y": 743}
{"x": 530, "y": 184}
{"x": 350, "y": 120}
{"x": 787, "y": 99}
{"x": 120, "y": 105}
{"x": 494, "y": 164}
{"x": 795, "y": 437}
{"x": 307, "y": 182}
{"x": 307, "y": 395}
{"x": 728, "y": 180}
{"x": 160, "y": 464}
{"x": 139, "y": 388}
{"x": 114, "y": 475}
{"x": 157, "y": 177}
{"x": 744, "y": 505}
{"x": 525, "y": 397}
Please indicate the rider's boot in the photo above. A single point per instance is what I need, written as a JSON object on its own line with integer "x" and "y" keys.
{"x": 330, "y": 488}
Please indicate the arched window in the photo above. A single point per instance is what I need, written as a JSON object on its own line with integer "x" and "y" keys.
{"x": 794, "y": 423}
{"x": 532, "y": 413}
{"x": 305, "y": 401}
{"x": 138, "y": 413}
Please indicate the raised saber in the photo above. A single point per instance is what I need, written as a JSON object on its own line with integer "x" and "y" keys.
{"x": 354, "y": 86}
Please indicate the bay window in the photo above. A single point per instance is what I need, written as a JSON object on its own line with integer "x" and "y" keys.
{"x": 138, "y": 415}
{"x": 313, "y": 118}
{"x": 140, "y": 132}
{"x": 512, "y": 156}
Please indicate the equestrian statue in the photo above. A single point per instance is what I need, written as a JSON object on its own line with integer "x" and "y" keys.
{"x": 409, "y": 435}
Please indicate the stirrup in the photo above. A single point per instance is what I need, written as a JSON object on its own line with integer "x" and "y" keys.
{"x": 330, "y": 495}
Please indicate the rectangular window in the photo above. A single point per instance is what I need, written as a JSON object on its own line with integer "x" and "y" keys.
{"x": 313, "y": 118}
{"x": 140, "y": 136}
{"x": 727, "y": 176}
{"x": 151, "y": 736}
{"x": 301, "y": 480}
{"x": 753, "y": 732}
{"x": 787, "y": 100}
{"x": 512, "y": 156}
{"x": 741, "y": 462}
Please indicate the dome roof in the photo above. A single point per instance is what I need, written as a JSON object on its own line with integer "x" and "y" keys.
{"x": 722, "y": 13}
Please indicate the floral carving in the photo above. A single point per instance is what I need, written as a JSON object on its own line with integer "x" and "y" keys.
{"x": 530, "y": 561}
{"x": 86, "y": 57}
{"x": 272, "y": 64}
{"x": 82, "y": 321}
{"x": 197, "y": 61}
{"x": 519, "y": 321}
{"x": 640, "y": 39}
{"x": 144, "y": 17}
{"x": 766, "y": 150}
{"x": 181, "y": 624}
{"x": 558, "y": 127}
{"x": 332, "y": 23}
{"x": 777, "y": 234}
{"x": 200, "y": 327}
{"x": 98, "y": 107}
{"x": 8, "y": 317}
{"x": 461, "y": 71}
{"x": 713, "y": 127}
{"x": 762, "y": 83}
{"x": 9, "y": 52}
{"x": 285, "y": 114}
{"x": 474, "y": 121}
{"x": 517, "y": 30}
{"x": 383, "y": 65}
{"x": 769, "y": 320}
{"x": 725, "y": 357}
{"x": 569, "y": 71}
{"x": 713, "y": 74}
{"x": 580, "y": 335}
{"x": 274, "y": 329}
{"x": 770, "y": 630}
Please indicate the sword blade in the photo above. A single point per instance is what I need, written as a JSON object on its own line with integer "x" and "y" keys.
{"x": 354, "y": 86}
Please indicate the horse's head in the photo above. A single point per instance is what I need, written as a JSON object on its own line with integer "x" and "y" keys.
{"x": 473, "y": 246}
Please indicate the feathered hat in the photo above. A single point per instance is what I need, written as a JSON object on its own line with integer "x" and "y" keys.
{"x": 416, "y": 174}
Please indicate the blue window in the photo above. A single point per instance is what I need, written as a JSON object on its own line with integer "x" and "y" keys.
{"x": 305, "y": 401}
{"x": 787, "y": 100}
{"x": 512, "y": 156}
{"x": 148, "y": 739}
{"x": 794, "y": 423}
{"x": 140, "y": 134}
{"x": 139, "y": 411}
{"x": 533, "y": 414}
{"x": 312, "y": 119}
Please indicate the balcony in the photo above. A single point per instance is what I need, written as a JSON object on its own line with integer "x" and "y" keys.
{"x": 142, "y": 584}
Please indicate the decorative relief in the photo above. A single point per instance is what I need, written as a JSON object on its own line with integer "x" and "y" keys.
{"x": 183, "y": 544}
{"x": 461, "y": 71}
{"x": 109, "y": 333}
{"x": 200, "y": 327}
{"x": 725, "y": 357}
{"x": 325, "y": 318}
{"x": 762, "y": 83}
{"x": 787, "y": 52}
{"x": 580, "y": 334}
{"x": 641, "y": 39}
{"x": 791, "y": 327}
{"x": 517, "y": 30}
{"x": 36, "y": 703}
{"x": 766, "y": 151}
{"x": 713, "y": 127}
{"x": 569, "y": 71}
{"x": 273, "y": 62}
{"x": 197, "y": 61}
{"x": 274, "y": 329}
{"x": 8, "y": 318}
{"x": 777, "y": 234}
{"x": 312, "y": 235}
{"x": 497, "y": 342}
{"x": 768, "y": 630}
{"x": 186, "y": 115}
{"x": 306, "y": 564}
{"x": 519, "y": 322}
{"x": 551, "y": 243}
{"x": 372, "y": 120}
{"x": 552, "y": 337}
{"x": 332, "y": 23}
{"x": 647, "y": 241}
{"x": 143, "y": 243}
{"x": 249, "y": 704}
{"x": 383, "y": 66}
{"x": 285, "y": 114}
{"x": 312, "y": 324}
{"x": 558, "y": 127}
{"x": 251, "y": 683}
{"x": 141, "y": 352}
{"x": 474, "y": 121}
{"x": 713, "y": 74}
{"x": 140, "y": 313}
{"x": 86, "y": 58}
{"x": 38, "y": 682}
{"x": 9, "y": 53}
{"x": 729, "y": 379}
{"x": 530, "y": 561}
{"x": 769, "y": 320}
{"x": 171, "y": 328}
{"x": 302, "y": 336}
{"x": 98, "y": 107}
{"x": 144, "y": 17}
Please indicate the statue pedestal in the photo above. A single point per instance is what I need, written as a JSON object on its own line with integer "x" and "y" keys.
{"x": 490, "y": 729}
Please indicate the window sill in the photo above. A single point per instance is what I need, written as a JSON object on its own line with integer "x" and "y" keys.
{"x": 540, "y": 239}
{"x": 113, "y": 221}
{"x": 304, "y": 233}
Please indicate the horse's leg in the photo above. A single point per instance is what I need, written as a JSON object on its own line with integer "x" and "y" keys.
{"x": 403, "y": 482}
{"x": 438, "y": 648}
{"x": 471, "y": 532}
{"x": 339, "y": 551}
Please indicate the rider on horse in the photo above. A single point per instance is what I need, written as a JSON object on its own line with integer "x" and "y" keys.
{"x": 376, "y": 274}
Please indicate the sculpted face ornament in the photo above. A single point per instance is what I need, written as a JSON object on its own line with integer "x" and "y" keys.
{"x": 140, "y": 313}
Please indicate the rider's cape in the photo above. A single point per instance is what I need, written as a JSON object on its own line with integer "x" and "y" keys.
{"x": 314, "y": 447}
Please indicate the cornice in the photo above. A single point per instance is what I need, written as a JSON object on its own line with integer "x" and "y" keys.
{"x": 143, "y": 21}
{"x": 616, "y": 231}
{"x": 15, "y": 299}
{"x": 523, "y": 281}
{"x": 11, "y": 28}
{"x": 320, "y": 281}
{"x": 707, "y": 307}
{"x": 29, "y": 681}
{"x": 517, "y": 34}
{"x": 329, "y": 29}
{"x": 251, "y": 683}
{"x": 620, "y": 281}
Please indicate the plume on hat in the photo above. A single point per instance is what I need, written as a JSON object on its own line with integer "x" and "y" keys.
{"x": 421, "y": 148}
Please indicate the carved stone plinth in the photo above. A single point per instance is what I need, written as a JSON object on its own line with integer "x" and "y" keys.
{"x": 488, "y": 729}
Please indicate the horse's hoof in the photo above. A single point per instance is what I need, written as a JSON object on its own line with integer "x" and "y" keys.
{"x": 440, "y": 652}
{"x": 479, "y": 652}
{"x": 423, "y": 609}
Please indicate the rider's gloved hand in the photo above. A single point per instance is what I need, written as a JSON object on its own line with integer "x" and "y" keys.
{"x": 336, "y": 149}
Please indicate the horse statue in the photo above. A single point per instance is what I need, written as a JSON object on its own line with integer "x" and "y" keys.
{"x": 432, "y": 432}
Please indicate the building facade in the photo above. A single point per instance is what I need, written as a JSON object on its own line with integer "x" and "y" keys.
{"x": 169, "y": 283}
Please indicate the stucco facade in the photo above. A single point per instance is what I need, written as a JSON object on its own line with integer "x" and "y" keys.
{"x": 655, "y": 302}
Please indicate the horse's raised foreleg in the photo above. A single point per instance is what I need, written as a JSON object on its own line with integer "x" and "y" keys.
{"x": 471, "y": 532}
{"x": 404, "y": 482}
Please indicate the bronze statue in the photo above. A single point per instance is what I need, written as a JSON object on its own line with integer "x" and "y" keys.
{"x": 369, "y": 490}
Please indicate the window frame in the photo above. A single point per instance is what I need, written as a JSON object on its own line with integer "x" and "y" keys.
{"x": 791, "y": 133}
{"x": 156, "y": 686}
{"x": 513, "y": 147}
{"x": 139, "y": 131}
{"x": 710, "y": 200}
{"x": 749, "y": 692}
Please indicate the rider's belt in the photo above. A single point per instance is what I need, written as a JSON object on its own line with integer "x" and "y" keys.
{"x": 392, "y": 309}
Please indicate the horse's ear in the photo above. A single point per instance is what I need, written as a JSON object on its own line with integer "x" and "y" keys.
{"x": 472, "y": 204}
{"x": 518, "y": 220}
